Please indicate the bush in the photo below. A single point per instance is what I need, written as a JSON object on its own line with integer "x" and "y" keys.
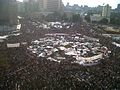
{"x": 104, "y": 21}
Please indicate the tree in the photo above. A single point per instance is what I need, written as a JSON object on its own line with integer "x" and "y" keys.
{"x": 56, "y": 16}
{"x": 87, "y": 18}
{"x": 64, "y": 17}
{"x": 104, "y": 21}
{"x": 115, "y": 18}
{"x": 76, "y": 18}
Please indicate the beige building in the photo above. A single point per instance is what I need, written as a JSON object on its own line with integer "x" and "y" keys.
{"x": 96, "y": 17}
{"x": 50, "y": 5}
{"x": 106, "y": 12}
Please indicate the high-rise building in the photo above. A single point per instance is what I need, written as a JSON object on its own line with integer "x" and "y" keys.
{"x": 50, "y": 5}
{"x": 31, "y": 6}
{"x": 118, "y": 7}
{"x": 8, "y": 12}
{"x": 4, "y": 11}
{"x": 13, "y": 11}
{"x": 106, "y": 12}
{"x": 43, "y": 5}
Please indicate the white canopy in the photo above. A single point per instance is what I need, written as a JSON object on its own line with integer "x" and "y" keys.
{"x": 90, "y": 59}
{"x": 3, "y": 37}
{"x": 116, "y": 44}
{"x": 14, "y": 45}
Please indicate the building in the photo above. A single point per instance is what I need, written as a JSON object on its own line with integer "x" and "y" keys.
{"x": 8, "y": 12}
{"x": 8, "y": 16}
{"x": 31, "y": 6}
{"x": 118, "y": 7}
{"x": 4, "y": 11}
{"x": 50, "y": 5}
{"x": 96, "y": 17}
{"x": 42, "y": 5}
{"x": 97, "y": 9}
{"x": 106, "y": 12}
{"x": 13, "y": 12}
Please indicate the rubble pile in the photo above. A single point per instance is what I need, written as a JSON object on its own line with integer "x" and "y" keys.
{"x": 60, "y": 47}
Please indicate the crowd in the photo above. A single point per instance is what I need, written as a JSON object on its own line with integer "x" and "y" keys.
{"x": 59, "y": 46}
{"x": 27, "y": 72}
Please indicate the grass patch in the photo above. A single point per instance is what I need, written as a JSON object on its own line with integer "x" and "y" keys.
{"x": 4, "y": 59}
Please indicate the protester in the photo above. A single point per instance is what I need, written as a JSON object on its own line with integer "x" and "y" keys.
{"x": 27, "y": 72}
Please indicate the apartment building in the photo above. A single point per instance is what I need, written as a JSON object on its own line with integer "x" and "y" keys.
{"x": 8, "y": 12}
{"x": 50, "y": 5}
{"x": 106, "y": 12}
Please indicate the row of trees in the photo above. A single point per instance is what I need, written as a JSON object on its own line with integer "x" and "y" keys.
{"x": 56, "y": 16}
{"x": 114, "y": 18}
{"x": 88, "y": 19}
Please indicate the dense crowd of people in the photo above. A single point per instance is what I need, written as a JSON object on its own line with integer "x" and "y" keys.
{"x": 27, "y": 72}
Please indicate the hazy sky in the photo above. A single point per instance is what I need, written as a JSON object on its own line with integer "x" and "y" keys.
{"x": 91, "y": 3}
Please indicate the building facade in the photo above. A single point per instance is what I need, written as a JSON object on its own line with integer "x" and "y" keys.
{"x": 13, "y": 12}
{"x": 8, "y": 12}
{"x": 118, "y": 7}
{"x": 50, "y": 5}
{"x": 4, "y": 11}
{"x": 106, "y": 12}
{"x": 96, "y": 17}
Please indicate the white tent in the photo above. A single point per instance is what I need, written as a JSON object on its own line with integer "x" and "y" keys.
{"x": 116, "y": 44}
{"x": 14, "y": 45}
{"x": 3, "y": 37}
